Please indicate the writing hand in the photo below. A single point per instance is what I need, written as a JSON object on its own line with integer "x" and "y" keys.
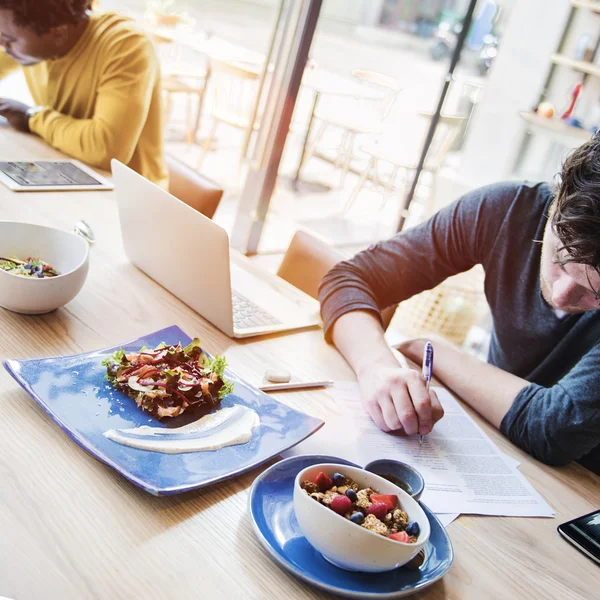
{"x": 398, "y": 399}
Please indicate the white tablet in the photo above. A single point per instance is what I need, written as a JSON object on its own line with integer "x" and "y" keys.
{"x": 50, "y": 175}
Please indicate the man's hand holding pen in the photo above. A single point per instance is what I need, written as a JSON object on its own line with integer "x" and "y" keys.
{"x": 396, "y": 398}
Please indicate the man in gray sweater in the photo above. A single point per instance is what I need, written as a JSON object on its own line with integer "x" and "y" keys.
{"x": 541, "y": 254}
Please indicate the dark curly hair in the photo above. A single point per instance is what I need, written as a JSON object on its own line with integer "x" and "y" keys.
{"x": 575, "y": 213}
{"x": 43, "y": 15}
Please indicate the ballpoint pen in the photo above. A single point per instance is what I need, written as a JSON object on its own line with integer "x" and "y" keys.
{"x": 427, "y": 371}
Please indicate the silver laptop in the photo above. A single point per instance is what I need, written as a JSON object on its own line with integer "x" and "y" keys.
{"x": 188, "y": 254}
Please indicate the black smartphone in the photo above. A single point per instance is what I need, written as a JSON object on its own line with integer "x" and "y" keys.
{"x": 584, "y": 534}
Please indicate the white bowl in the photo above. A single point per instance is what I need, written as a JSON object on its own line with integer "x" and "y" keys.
{"x": 66, "y": 252}
{"x": 346, "y": 544}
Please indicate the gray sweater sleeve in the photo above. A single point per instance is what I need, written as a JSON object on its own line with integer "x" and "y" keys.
{"x": 561, "y": 423}
{"x": 452, "y": 241}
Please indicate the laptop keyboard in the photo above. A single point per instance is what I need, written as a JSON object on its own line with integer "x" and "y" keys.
{"x": 246, "y": 314}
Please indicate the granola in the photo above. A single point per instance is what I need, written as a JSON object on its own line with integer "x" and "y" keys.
{"x": 379, "y": 513}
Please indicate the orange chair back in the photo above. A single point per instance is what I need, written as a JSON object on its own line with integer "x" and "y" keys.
{"x": 194, "y": 189}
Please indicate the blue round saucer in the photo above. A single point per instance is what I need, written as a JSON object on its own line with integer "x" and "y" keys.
{"x": 271, "y": 510}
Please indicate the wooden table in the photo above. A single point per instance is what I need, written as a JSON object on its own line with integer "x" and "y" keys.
{"x": 72, "y": 528}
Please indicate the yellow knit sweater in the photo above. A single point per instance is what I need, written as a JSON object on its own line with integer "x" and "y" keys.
{"x": 102, "y": 100}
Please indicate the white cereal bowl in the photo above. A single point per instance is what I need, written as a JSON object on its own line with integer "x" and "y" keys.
{"x": 67, "y": 252}
{"x": 346, "y": 544}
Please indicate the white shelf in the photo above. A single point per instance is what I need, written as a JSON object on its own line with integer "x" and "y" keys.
{"x": 589, "y": 4}
{"x": 578, "y": 65}
{"x": 556, "y": 126}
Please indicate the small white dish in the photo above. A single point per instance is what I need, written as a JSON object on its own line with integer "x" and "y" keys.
{"x": 345, "y": 544}
{"x": 67, "y": 252}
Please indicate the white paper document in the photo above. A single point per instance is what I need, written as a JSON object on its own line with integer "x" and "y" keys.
{"x": 464, "y": 470}
{"x": 447, "y": 518}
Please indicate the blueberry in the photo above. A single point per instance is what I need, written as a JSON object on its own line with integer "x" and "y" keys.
{"x": 338, "y": 479}
{"x": 352, "y": 494}
{"x": 357, "y": 517}
{"x": 413, "y": 529}
{"x": 40, "y": 274}
{"x": 28, "y": 266}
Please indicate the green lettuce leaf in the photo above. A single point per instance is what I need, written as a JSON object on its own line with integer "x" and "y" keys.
{"x": 217, "y": 365}
{"x": 226, "y": 389}
{"x": 115, "y": 357}
{"x": 195, "y": 343}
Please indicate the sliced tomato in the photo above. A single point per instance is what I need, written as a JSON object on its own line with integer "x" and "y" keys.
{"x": 401, "y": 536}
{"x": 390, "y": 500}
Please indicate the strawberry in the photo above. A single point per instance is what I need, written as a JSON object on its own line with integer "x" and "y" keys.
{"x": 378, "y": 509}
{"x": 390, "y": 500}
{"x": 340, "y": 504}
{"x": 401, "y": 536}
{"x": 323, "y": 481}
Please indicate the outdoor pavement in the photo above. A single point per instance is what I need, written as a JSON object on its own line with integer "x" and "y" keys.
{"x": 338, "y": 47}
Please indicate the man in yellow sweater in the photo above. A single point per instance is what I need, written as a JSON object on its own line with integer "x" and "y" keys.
{"x": 95, "y": 80}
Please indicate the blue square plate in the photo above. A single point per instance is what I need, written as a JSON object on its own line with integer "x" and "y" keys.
{"x": 73, "y": 390}
{"x": 271, "y": 509}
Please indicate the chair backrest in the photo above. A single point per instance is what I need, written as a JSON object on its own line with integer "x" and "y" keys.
{"x": 387, "y": 85}
{"x": 448, "y": 129}
{"x": 193, "y": 188}
{"x": 307, "y": 260}
{"x": 169, "y": 51}
{"x": 449, "y": 309}
{"x": 233, "y": 88}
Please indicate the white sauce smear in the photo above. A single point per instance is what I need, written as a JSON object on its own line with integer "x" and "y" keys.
{"x": 226, "y": 427}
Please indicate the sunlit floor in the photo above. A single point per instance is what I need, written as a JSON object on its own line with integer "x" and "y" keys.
{"x": 339, "y": 46}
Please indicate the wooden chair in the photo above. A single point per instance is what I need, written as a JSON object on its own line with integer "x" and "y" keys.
{"x": 448, "y": 130}
{"x": 307, "y": 260}
{"x": 193, "y": 188}
{"x": 354, "y": 116}
{"x": 448, "y": 310}
{"x": 191, "y": 85}
{"x": 177, "y": 78}
{"x": 234, "y": 89}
